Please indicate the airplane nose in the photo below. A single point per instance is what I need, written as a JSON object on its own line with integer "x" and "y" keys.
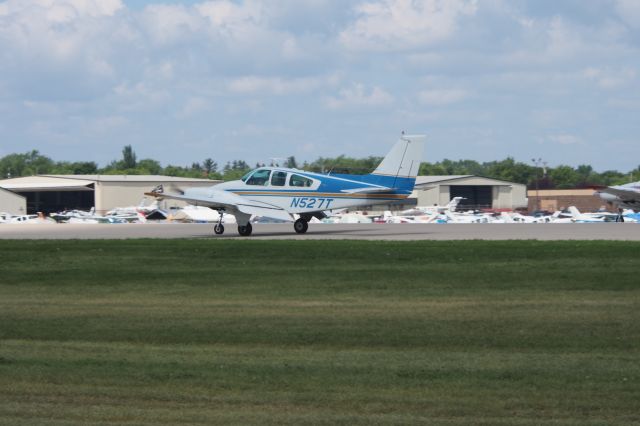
{"x": 607, "y": 197}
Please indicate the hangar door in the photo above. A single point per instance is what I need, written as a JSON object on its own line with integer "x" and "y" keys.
{"x": 476, "y": 197}
{"x": 49, "y": 195}
{"x": 55, "y": 201}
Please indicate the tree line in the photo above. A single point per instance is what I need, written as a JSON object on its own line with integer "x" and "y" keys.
{"x": 559, "y": 177}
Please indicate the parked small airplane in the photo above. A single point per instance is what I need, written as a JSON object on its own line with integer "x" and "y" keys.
{"x": 279, "y": 193}
{"x": 625, "y": 196}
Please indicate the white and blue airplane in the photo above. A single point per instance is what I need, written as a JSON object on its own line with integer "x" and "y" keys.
{"x": 625, "y": 196}
{"x": 279, "y": 193}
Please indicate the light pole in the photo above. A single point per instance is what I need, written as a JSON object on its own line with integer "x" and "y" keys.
{"x": 537, "y": 163}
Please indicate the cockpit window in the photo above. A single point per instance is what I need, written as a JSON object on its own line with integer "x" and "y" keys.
{"x": 278, "y": 178}
{"x": 259, "y": 177}
{"x": 246, "y": 176}
{"x": 301, "y": 181}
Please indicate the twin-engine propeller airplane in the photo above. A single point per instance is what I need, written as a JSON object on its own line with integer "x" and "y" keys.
{"x": 280, "y": 193}
{"x": 625, "y": 196}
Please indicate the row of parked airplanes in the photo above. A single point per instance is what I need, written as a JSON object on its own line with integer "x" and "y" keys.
{"x": 432, "y": 214}
{"x": 292, "y": 195}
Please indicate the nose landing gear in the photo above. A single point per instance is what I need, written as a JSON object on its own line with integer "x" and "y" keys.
{"x": 219, "y": 228}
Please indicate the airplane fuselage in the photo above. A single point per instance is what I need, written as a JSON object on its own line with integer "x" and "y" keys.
{"x": 297, "y": 191}
{"x": 279, "y": 193}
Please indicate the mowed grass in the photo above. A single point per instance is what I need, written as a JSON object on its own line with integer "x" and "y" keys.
{"x": 319, "y": 332}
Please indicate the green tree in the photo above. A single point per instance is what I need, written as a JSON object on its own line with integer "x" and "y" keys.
{"x": 128, "y": 158}
{"x": 27, "y": 164}
{"x": 291, "y": 162}
{"x": 148, "y": 166}
{"x": 585, "y": 175}
{"x": 75, "y": 168}
{"x": 209, "y": 166}
{"x": 343, "y": 164}
{"x": 431, "y": 169}
{"x": 235, "y": 170}
{"x": 563, "y": 177}
{"x": 611, "y": 177}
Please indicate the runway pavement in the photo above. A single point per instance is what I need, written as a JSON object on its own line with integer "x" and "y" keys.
{"x": 577, "y": 231}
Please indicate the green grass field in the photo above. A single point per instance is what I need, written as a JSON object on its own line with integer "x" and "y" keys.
{"x": 319, "y": 332}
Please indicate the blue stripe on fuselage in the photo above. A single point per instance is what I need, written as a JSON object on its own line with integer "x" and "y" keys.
{"x": 400, "y": 185}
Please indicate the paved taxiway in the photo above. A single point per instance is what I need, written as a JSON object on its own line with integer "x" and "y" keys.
{"x": 591, "y": 231}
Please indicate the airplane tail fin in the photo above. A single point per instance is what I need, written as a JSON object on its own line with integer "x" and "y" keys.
{"x": 574, "y": 211}
{"x": 404, "y": 158}
{"x": 453, "y": 204}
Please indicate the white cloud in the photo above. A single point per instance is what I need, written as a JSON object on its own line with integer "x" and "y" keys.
{"x": 193, "y": 106}
{"x": 629, "y": 11}
{"x": 232, "y": 17}
{"x": 565, "y": 139}
{"x": 404, "y": 24}
{"x": 532, "y": 69}
{"x": 101, "y": 125}
{"x": 168, "y": 24}
{"x": 442, "y": 96}
{"x": 358, "y": 96}
{"x": 607, "y": 78}
{"x": 141, "y": 97}
{"x": 63, "y": 10}
{"x": 278, "y": 86}
{"x": 67, "y": 47}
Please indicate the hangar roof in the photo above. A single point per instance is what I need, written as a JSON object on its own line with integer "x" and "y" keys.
{"x": 44, "y": 183}
{"x": 84, "y": 182}
{"x": 426, "y": 181}
{"x": 421, "y": 180}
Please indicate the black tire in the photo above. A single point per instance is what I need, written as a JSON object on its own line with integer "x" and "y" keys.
{"x": 246, "y": 230}
{"x": 218, "y": 229}
{"x": 300, "y": 226}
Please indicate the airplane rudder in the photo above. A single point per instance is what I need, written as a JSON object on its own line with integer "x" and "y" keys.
{"x": 404, "y": 158}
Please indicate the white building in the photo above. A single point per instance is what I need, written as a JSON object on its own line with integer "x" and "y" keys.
{"x": 12, "y": 203}
{"x": 52, "y": 193}
{"x": 478, "y": 192}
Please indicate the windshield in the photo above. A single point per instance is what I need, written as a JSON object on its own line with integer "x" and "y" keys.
{"x": 259, "y": 177}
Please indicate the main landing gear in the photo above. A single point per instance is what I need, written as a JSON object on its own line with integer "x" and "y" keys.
{"x": 245, "y": 230}
{"x": 300, "y": 226}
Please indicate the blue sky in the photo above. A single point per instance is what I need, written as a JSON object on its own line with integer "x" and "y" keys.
{"x": 254, "y": 80}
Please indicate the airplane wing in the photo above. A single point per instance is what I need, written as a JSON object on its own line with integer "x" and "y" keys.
{"x": 228, "y": 201}
{"x": 623, "y": 194}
